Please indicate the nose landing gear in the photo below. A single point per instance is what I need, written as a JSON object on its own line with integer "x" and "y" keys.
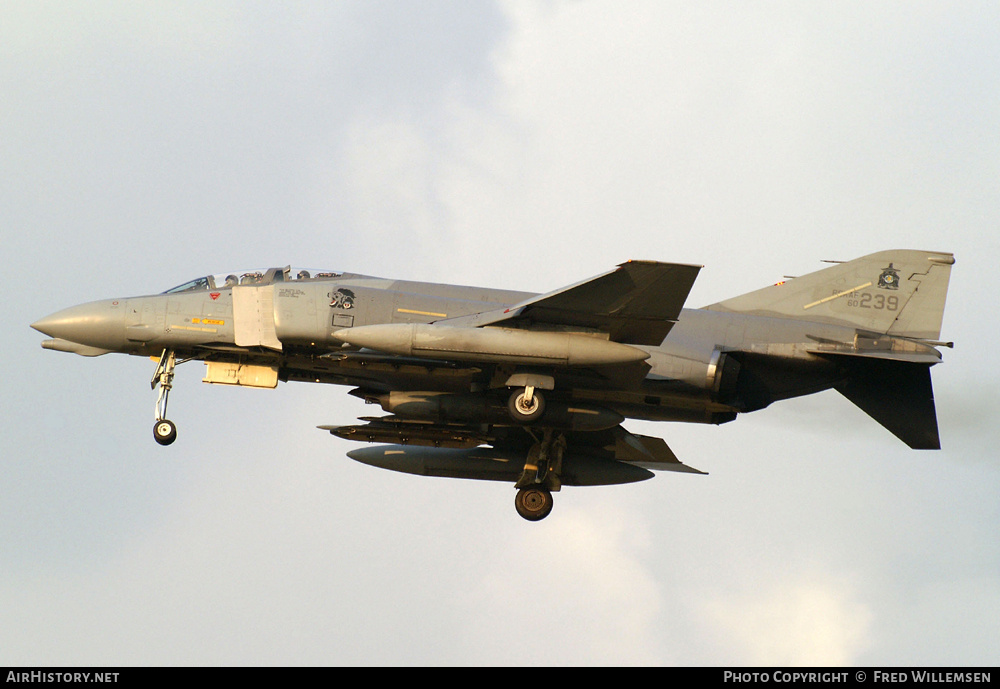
{"x": 164, "y": 431}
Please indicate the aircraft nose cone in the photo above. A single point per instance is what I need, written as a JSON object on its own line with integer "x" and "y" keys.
{"x": 97, "y": 324}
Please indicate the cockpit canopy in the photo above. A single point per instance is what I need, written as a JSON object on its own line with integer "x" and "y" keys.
{"x": 253, "y": 277}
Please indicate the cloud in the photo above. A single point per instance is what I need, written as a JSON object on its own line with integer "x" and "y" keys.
{"x": 800, "y": 620}
{"x": 576, "y": 592}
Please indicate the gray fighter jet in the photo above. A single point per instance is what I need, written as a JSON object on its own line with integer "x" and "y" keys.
{"x": 532, "y": 389}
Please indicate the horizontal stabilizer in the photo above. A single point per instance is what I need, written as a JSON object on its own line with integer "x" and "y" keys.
{"x": 898, "y": 395}
{"x": 914, "y": 358}
{"x": 877, "y": 346}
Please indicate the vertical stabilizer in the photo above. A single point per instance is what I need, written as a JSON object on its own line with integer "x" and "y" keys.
{"x": 899, "y": 292}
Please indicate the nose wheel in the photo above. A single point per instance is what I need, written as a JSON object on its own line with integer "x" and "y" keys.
{"x": 164, "y": 431}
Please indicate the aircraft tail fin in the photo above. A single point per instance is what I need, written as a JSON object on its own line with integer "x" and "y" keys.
{"x": 899, "y": 292}
{"x": 897, "y": 394}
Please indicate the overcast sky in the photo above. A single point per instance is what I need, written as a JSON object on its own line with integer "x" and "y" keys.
{"x": 515, "y": 144}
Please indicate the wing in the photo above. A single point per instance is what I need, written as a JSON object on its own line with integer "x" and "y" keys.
{"x": 637, "y": 303}
{"x": 467, "y": 433}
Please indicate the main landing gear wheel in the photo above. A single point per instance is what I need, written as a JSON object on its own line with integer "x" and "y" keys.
{"x": 526, "y": 405}
{"x": 533, "y": 503}
{"x": 164, "y": 432}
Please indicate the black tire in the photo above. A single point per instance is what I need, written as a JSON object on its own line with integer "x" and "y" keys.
{"x": 524, "y": 413}
{"x": 533, "y": 504}
{"x": 165, "y": 432}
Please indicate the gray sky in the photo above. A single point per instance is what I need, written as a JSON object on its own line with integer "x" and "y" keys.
{"x": 524, "y": 145}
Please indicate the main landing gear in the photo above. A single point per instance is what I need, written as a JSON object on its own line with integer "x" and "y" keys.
{"x": 540, "y": 477}
{"x": 164, "y": 431}
{"x": 533, "y": 504}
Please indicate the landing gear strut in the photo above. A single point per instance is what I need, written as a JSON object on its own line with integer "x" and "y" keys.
{"x": 540, "y": 477}
{"x": 164, "y": 431}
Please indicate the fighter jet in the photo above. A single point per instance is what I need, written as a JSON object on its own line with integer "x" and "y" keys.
{"x": 533, "y": 389}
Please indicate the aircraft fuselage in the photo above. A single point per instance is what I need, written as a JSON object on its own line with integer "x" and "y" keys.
{"x": 290, "y": 326}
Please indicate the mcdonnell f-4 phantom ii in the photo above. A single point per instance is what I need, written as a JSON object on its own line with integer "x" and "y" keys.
{"x": 532, "y": 389}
